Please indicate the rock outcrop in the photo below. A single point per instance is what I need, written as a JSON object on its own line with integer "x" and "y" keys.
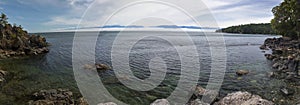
{"x": 14, "y": 41}
{"x": 243, "y": 98}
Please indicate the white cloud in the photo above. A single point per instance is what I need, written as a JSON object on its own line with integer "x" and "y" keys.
{"x": 215, "y": 3}
{"x": 63, "y": 21}
{"x": 101, "y": 10}
{"x": 243, "y": 12}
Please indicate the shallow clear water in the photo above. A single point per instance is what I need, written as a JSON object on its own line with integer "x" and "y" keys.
{"x": 54, "y": 70}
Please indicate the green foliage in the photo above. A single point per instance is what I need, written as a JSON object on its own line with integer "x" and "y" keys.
{"x": 3, "y": 19}
{"x": 263, "y": 28}
{"x": 287, "y": 18}
{"x": 14, "y": 36}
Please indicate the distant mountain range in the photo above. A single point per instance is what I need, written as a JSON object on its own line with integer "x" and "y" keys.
{"x": 137, "y": 26}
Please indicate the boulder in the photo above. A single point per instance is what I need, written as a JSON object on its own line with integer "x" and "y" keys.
{"x": 160, "y": 102}
{"x": 242, "y": 72}
{"x": 199, "y": 91}
{"x": 243, "y": 98}
{"x": 271, "y": 74}
{"x": 276, "y": 65}
{"x": 102, "y": 67}
{"x": 42, "y": 50}
{"x": 286, "y": 91}
{"x": 264, "y": 47}
{"x": 210, "y": 95}
{"x": 278, "y": 51}
{"x": 269, "y": 56}
{"x": 197, "y": 102}
{"x": 282, "y": 67}
{"x": 82, "y": 101}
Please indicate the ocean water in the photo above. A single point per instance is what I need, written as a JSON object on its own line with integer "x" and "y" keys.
{"x": 54, "y": 70}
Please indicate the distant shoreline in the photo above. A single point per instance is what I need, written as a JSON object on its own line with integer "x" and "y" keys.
{"x": 249, "y": 34}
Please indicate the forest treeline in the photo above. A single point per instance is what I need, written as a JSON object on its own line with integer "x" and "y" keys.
{"x": 263, "y": 28}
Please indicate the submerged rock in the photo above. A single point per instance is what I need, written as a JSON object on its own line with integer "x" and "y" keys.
{"x": 243, "y": 98}
{"x": 210, "y": 95}
{"x": 271, "y": 74}
{"x": 242, "y": 72}
{"x": 88, "y": 67}
{"x": 107, "y": 103}
{"x": 102, "y": 67}
{"x": 160, "y": 102}
{"x": 286, "y": 91}
{"x": 264, "y": 47}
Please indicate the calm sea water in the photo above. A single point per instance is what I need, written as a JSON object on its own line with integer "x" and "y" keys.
{"x": 54, "y": 70}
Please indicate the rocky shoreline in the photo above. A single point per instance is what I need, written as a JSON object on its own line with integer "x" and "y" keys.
{"x": 285, "y": 58}
{"x": 29, "y": 45}
{"x": 4, "y": 54}
{"x": 66, "y": 97}
{"x": 236, "y": 98}
{"x": 55, "y": 97}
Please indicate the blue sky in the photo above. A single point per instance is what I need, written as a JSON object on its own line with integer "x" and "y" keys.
{"x": 51, "y": 15}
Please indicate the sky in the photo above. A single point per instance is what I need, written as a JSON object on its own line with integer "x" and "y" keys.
{"x": 55, "y": 15}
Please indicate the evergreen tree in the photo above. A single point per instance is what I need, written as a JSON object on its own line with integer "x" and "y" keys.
{"x": 3, "y": 19}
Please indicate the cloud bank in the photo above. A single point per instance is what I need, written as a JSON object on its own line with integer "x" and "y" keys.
{"x": 46, "y": 15}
